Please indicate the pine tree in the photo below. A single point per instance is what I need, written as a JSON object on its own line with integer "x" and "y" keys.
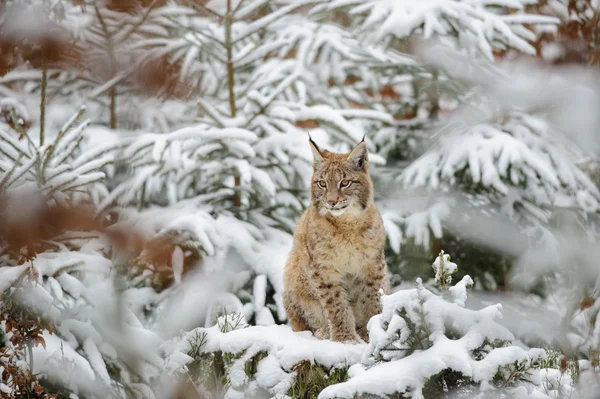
{"x": 427, "y": 344}
{"x": 56, "y": 274}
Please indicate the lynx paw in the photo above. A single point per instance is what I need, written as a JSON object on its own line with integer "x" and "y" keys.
{"x": 346, "y": 338}
{"x": 364, "y": 334}
{"x": 322, "y": 333}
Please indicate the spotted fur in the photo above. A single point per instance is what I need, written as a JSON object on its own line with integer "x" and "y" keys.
{"x": 337, "y": 264}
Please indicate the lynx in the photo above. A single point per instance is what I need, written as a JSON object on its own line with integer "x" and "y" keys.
{"x": 337, "y": 265}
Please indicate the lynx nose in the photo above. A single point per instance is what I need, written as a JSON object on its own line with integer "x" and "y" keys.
{"x": 332, "y": 203}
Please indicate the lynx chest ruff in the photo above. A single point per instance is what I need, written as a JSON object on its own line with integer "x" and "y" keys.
{"x": 348, "y": 259}
{"x": 349, "y": 254}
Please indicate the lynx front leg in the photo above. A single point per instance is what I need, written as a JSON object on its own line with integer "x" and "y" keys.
{"x": 366, "y": 304}
{"x": 294, "y": 311}
{"x": 334, "y": 299}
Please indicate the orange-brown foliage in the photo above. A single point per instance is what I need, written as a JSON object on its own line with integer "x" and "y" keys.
{"x": 159, "y": 77}
{"x": 24, "y": 237}
{"x": 132, "y": 6}
{"x": 577, "y": 38}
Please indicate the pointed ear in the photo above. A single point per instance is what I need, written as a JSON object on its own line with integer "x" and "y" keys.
{"x": 359, "y": 157}
{"x": 318, "y": 154}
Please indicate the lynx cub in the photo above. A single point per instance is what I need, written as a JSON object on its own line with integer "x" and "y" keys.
{"x": 337, "y": 265}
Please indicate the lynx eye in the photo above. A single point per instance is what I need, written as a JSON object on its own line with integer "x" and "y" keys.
{"x": 322, "y": 183}
{"x": 344, "y": 183}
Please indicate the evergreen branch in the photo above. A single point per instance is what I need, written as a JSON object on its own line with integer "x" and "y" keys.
{"x": 230, "y": 71}
{"x": 135, "y": 26}
{"x": 111, "y": 83}
{"x": 43, "y": 96}
{"x": 36, "y": 158}
{"x": 21, "y": 129}
{"x": 135, "y": 165}
{"x": 95, "y": 154}
{"x": 212, "y": 112}
{"x": 67, "y": 152}
{"x": 239, "y": 4}
{"x": 113, "y": 66}
{"x": 287, "y": 82}
{"x": 9, "y": 140}
{"x": 250, "y": 85}
{"x": 26, "y": 168}
{"x": 263, "y": 22}
{"x": 245, "y": 12}
{"x": 4, "y": 181}
{"x": 209, "y": 51}
{"x": 140, "y": 149}
{"x": 107, "y": 34}
{"x": 196, "y": 31}
{"x": 73, "y": 187}
{"x": 211, "y": 38}
{"x": 258, "y": 51}
{"x": 202, "y": 7}
{"x": 52, "y": 190}
{"x": 59, "y": 171}
{"x": 67, "y": 127}
{"x": 512, "y": 375}
{"x": 18, "y": 76}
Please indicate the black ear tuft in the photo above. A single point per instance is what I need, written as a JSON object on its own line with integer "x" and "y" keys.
{"x": 317, "y": 152}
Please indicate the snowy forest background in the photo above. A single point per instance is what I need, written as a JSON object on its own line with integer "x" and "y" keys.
{"x": 154, "y": 160}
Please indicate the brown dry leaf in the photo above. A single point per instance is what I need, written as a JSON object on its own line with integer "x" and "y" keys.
{"x": 40, "y": 341}
{"x": 159, "y": 77}
{"x": 24, "y": 48}
{"x": 38, "y": 388}
{"x": 34, "y": 274}
{"x": 132, "y": 6}
{"x": 291, "y": 54}
{"x": 355, "y": 104}
{"x": 351, "y": 79}
{"x": 408, "y": 114}
{"x": 125, "y": 239}
{"x": 389, "y": 92}
{"x": 586, "y": 302}
{"x": 307, "y": 124}
{"x": 30, "y": 233}
{"x": 563, "y": 364}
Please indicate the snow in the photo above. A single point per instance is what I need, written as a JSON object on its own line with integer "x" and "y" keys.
{"x": 177, "y": 263}
{"x": 222, "y": 181}
{"x": 266, "y": 256}
{"x": 8, "y": 275}
{"x": 96, "y": 361}
{"x": 326, "y": 114}
{"x": 444, "y": 268}
{"x": 396, "y": 373}
{"x": 260, "y": 289}
{"x": 385, "y": 371}
{"x": 283, "y": 348}
{"x": 56, "y": 355}
{"x": 476, "y": 19}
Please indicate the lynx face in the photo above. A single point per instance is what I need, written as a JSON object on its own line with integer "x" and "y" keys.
{"x": 341, "y": 182}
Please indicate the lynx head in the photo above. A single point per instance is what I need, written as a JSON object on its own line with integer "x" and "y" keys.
{"x": 341, "y": 182}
